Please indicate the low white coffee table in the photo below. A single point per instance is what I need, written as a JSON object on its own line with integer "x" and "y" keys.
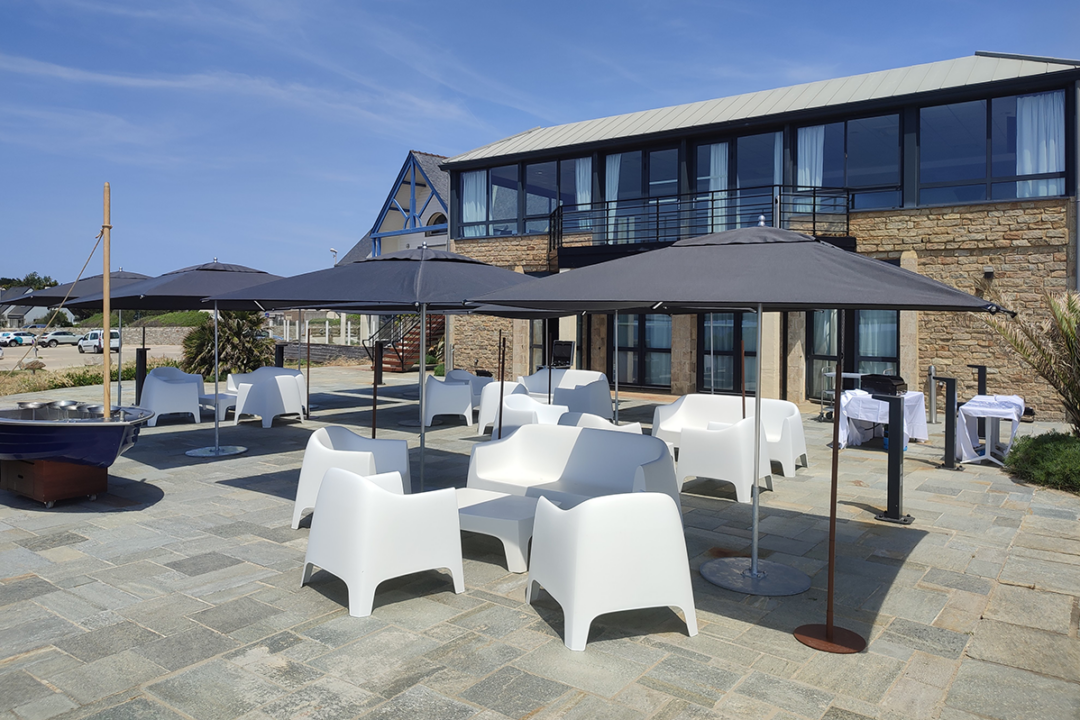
{"x": 219, "y": 403}
{"x": 506, "y": 517}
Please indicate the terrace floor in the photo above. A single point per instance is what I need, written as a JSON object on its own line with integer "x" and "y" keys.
{"x": 177, "y": 595}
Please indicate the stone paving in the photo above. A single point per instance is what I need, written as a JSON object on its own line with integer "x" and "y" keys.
{"x": 176, "y": 595}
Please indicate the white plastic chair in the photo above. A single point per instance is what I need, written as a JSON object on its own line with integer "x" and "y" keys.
{"x": 608, "y": 554}
{"x": 489, "y": 403}
{"x": 521, "y": 410}
{"x": 581, "y": 419}
{"x": 171, "y": 390}
{"x": 723, "y": 452}
{"x": 447, "y": 398}
{"x": 477, "y": 383}
{"x": 338, "y": 447}
{"x": 366, "y": 534}
{"x": 781, "y": 423}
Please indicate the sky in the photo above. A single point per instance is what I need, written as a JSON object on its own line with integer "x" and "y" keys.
{"x": 266, "y": 132}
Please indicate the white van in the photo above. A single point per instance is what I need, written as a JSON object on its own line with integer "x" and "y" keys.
{"x": 92, "y": 341}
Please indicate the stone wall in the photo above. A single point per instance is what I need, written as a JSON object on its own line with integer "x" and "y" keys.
{"x": 683, "y": 354}
{"x": 525, "y": 253}
{"x": 1030, "y": 248}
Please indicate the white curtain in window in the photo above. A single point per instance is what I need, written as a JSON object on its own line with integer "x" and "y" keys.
{"x": 1040, "y": 142}
{"x": 810, "y": 162}
{"x": 778, "y": 159}
{"x": 611, "y": 191}
{"x": 718, "y": 182}
{"x": 473, "y": 201}
{"x": 583, "y": 188}
{"x": 583, "y": 178}
{"x": 877, "y": 333}
{"x": 824, "y": 332}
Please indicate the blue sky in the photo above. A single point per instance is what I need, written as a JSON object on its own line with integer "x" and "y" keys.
{"x": 265, "y": 132}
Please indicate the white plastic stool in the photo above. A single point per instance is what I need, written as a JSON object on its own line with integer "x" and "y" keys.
{"x": 506, "y": 517}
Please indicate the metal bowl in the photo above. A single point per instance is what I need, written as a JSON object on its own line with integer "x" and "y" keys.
{"x": 33, "y": 404}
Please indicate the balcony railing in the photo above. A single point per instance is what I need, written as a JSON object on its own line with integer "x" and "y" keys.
{"x": 814, "y": 211}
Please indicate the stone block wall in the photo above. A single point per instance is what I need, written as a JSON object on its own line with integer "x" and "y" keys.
{"x": 1028, "y": 245}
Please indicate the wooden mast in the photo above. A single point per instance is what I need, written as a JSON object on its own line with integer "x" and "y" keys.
{"x": 106, "y": 309}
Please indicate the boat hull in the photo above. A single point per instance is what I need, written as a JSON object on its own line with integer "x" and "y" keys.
{"x": 82, "y": 441}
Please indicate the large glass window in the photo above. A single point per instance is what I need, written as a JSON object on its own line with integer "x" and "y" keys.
{"x": 871, "y": 342}
{"x": 862, "y": 154}
{"x": 721, "y": 367}
{"x": 758, "y": 169}
{"x": 711, "y": 205}
{"x": 644, "y": 349}
{"x": 638, "y": 187}
{"x": 490, "y": 199}
{"x": 1002, "y": 148}
{"x": 541, "y": 195}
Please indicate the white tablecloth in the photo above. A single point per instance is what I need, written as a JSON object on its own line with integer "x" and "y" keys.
{"x": 994, "y": 408}
{"x": 860, "y": 413}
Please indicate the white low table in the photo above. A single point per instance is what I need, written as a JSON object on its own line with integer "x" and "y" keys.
{"x": 219, "y": 403}
{"x": 506, "y": 517}
{"x": 994, "y": 408}
{"x": 860, "y": 414}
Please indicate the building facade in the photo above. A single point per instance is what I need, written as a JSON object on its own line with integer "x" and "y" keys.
{"x": 963, "y": 170}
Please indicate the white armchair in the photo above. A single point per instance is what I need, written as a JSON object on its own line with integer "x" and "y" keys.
{"x": 781, "y": 423}
{"x": 489, "y": 403}
{"x": 171, "y": 390}
{"x": 269, "y": 392}
{"x": 447, "y": 398}
{"x": 723, "y": 452}
{"x": 580, "y": 390}
{"x": 338, "y": 447}
{"x": 366, "y": 534}
{"x": 521, "y": 410}
{"x": 477, "y": 383}
{"x": 608, "y": 554}
{"x": 697, "y": 411}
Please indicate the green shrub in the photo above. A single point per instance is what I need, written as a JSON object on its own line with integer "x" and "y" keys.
{"x": 184, "y": 318}
{"x": 240, "y": 351}
{"x": 1051, "y": 459}
{"x": 440, "y": 370}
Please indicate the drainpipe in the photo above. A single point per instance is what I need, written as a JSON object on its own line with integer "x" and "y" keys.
{"x": 1076, "y": 177}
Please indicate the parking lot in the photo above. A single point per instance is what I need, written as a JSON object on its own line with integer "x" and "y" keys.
{"x": 66, "y": 356}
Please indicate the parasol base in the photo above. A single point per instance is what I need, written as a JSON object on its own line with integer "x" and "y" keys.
{"x": 902, "y": 520}
{"x": 844, "y": 641}
{"x": 217, "y": 451}
{"x": 773, "y": 579}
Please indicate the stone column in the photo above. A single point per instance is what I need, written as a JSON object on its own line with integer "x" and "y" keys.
{"x": 683, "y": 354}
{"x": 909, "y": 331}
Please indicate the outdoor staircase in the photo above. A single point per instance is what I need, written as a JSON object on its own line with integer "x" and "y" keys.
{"x": 403, "y": 354}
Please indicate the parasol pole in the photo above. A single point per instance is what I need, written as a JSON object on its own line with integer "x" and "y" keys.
{"x": 423, "y": 377}
{"x": 615, "y": 365}
{"x": 217, "y": 450}
{"x": 106, "y": 305}
{"x": 762, "y": 577}
{"x": 502, "y": 382}
{"x": 828, "y": 637}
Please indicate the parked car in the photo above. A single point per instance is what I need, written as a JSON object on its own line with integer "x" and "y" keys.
{"x": 59, "y": 337}
{"x": 92, "y": 341}
{"x": 17, "y": 337}
{"x": 35, "y": 326}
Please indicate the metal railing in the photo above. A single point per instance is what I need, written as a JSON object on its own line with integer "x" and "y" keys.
{"x": 391, "y": 332}
{"x": 814, "y": 211}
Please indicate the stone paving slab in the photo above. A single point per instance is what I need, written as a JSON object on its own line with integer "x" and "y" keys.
{"x": 176, "y": 595}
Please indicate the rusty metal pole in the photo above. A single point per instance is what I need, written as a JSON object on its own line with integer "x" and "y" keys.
{"x": 106, "y": 306}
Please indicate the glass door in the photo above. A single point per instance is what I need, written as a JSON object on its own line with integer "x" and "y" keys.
{"x": 720, "y": 367}
{"x": 644, "y": 349}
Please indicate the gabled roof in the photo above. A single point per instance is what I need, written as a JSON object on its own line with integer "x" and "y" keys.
{"x": 439, "y": 180}
{"x": 930, "y": 77}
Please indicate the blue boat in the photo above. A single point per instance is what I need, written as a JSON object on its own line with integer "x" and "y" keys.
{"x": 68, "y": 432}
